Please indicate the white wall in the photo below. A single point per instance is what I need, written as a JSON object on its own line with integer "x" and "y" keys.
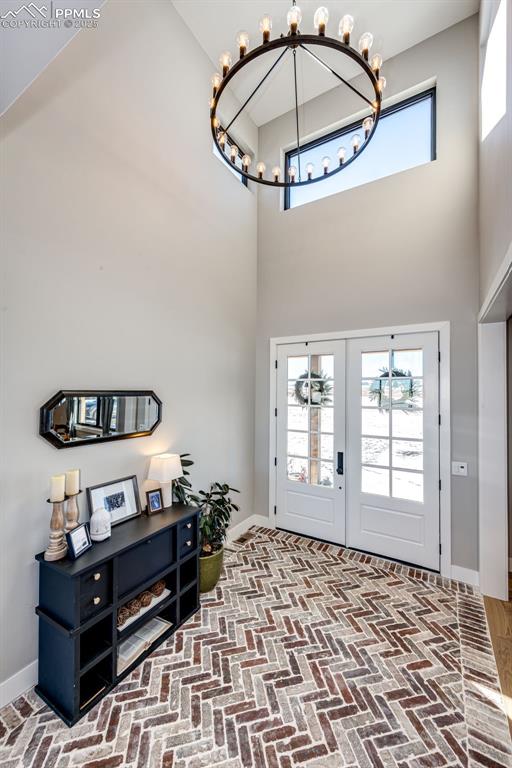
{"x": 121, "y": 267}
{"x": 400, "y": 250}
{"x": 495, "y": 166}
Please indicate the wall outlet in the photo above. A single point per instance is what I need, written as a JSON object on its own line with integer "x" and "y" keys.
{"x": 460, "y": 468}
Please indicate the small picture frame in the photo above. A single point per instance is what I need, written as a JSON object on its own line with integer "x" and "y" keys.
{"x": 78, "y": 541}
{"x": 154, "y": 501}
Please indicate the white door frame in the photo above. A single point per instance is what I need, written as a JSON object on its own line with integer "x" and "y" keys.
{"x": 493, "y": 459}
{"x": 443, "y": 328}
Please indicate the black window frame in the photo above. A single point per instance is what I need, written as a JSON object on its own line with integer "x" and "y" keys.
{"x": 430, "y": 93}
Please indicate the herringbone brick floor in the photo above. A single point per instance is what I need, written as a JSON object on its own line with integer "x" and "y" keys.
{"x": 305, "y": 655}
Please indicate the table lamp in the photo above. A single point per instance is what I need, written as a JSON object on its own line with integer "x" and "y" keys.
{"x": 165, "y": 468}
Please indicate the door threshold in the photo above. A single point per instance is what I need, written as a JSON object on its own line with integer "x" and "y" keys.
{"x": 363, "y": 552}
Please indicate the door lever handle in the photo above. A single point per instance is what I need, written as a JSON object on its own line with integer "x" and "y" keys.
{"x": 339, "y": 466}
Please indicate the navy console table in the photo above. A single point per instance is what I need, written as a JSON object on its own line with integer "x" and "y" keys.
{"x": 79, "y": 600}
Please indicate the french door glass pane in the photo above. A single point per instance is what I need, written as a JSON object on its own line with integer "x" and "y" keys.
{"x": 327, "y": 446}
{"x": 327, "y": 420}
{"x": 374, "y": 480}
{"x": 297, "y": 366}
{"x": 297, "y": 418}
{"x": 408, "y": 360}
{"x": 321, "y": 473}
{"x": 374, "y": 422}
{"x": 322, "y": 366}
{"x": 375, "y": 392}
{"x": 375, "y": 451}
{"x": 298, "y": 444}
{"x": 408, "y": 454}
{"x": 298, "y": 470}
{"x": 408, "y": 424}
{"x": 374, "y": 364}
{"x": 407, "y": 485}
{"x": 407, "y": 392}
{"x": 326, "y": 473}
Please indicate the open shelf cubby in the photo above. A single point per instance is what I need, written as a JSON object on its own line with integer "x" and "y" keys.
{"x": 95, "y": 682}
{"x": 188, "y": 602}
{"x": 94, "y": 641}
{"x": 188, "y": 573}
{"x": 153, "y": 609}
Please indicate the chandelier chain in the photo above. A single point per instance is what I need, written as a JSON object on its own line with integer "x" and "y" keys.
{"x": 296, "y": 109}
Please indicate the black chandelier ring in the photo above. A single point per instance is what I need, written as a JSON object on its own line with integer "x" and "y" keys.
{"x": 293, "y": 42}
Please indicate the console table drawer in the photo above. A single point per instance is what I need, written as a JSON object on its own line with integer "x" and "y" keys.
{"x": 95, "y": 591}
{"x": 188, "y": 536}
{"x": 144, "y": 561}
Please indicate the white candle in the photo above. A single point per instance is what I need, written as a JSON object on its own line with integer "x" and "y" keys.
{"x": 57, "y": 484}
{"x": 72, "y": 482}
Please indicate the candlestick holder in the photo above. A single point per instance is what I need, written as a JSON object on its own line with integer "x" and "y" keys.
{"x": 72, "y": 511}
{"x": 57, "y": 547}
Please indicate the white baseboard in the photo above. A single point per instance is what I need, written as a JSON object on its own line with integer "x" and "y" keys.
{"x": 19, "y": 683}
{"x": 237, "y": 530}
{"x": 466, "y": 575}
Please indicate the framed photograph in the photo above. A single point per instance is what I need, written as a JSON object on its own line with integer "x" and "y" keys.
{"x": 119, "y": 497}
{"x": 78, "y": 540}
{"x": 154, "y": 500}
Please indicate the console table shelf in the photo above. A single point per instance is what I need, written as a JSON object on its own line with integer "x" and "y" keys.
{"x": 78, "y": 603}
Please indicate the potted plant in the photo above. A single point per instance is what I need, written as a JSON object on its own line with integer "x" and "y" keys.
{"x": 216, "y": 507}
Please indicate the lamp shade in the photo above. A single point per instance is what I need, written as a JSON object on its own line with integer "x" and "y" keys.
{"x": 165, "y": 467}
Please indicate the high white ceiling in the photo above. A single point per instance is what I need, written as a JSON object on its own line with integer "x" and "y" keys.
{"x": 395, "y": 24}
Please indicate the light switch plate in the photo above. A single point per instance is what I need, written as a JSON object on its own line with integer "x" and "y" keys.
{"x": 460, "y": 468}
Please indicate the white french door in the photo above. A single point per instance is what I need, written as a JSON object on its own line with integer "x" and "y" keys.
{"x": 372, "y": 483}
{"x": 393, "y": 440}
{"x": 311, "y": 439}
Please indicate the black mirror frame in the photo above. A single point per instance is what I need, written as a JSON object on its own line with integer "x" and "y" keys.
{"x": 45, "y": 418}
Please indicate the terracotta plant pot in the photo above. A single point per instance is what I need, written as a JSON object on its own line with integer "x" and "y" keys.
{"x": 210, "y": 568}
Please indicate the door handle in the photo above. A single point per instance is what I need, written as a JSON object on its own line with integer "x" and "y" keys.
{"x": 339, "y": 466}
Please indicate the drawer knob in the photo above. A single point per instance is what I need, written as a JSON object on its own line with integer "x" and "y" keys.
{"x": 189, "y": 526}
{"x": 189, "y": 543}
{"x": 96, "y": 600}
{"x": 97, "y": 576}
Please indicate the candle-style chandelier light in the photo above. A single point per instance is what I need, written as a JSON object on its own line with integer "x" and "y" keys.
{"x": 294, "y": 41}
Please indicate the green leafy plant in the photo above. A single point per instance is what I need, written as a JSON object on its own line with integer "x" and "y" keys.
{"x": 182, "y": 486}
{"x": 216, "y": 507}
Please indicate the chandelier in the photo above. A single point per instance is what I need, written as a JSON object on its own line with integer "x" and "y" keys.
{"x": 292, "y": 42}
